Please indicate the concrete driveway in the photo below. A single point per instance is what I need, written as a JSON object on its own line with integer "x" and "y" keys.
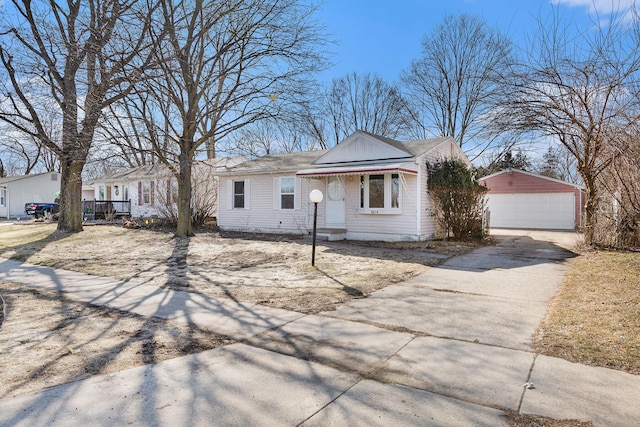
{"x": 449, "y": 347}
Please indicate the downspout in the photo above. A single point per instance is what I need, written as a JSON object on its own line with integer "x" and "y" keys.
{"x": 6, "y": 203}
{"x": 419, "y": 201}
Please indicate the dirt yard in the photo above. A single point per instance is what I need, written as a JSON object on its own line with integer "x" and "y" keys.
{"x": 271, "y": 270}
{"x": 49, "y": 340}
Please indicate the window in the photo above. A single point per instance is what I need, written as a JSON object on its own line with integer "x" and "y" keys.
{"x": 380, "y": 193}
{"x": 3, "y": 197}
{"x": 172, "y": 191}
{"x": 376, "y": 191}
{"x": 146, "y": 193}
{"x": 238, "y": 194}
{"x": 287, "y": 193}
{"x": 395, "y": 191}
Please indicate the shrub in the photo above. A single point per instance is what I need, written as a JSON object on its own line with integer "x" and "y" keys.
{"x": 458, "y": 199}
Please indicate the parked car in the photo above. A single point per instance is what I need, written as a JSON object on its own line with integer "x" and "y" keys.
{"x": 41, "y": 209}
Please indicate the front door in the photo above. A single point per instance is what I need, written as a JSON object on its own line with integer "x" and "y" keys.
{"x": 336, "y": 206}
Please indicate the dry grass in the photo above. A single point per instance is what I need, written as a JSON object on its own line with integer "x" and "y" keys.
{"x": 519, "y": 420}
{"x": 48, "y": 340}
{"x": 594, "y": 319}
{"x": 276, "y": 271}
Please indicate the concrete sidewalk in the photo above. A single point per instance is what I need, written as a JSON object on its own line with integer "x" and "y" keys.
{"x": 449, "y": 347}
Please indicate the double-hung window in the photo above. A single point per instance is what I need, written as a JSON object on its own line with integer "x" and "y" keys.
{"x": 287, "y": 193}
{"x": 3, "y": 197}
{"x": 238, "y": 194}
{"x": 146, "y": 190}
{"x": 380, "y": 193}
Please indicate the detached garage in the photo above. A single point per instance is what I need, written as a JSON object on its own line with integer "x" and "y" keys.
{"x": 519, "y": 199}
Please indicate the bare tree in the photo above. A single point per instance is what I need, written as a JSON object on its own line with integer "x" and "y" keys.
{"x": 271, "y": 136}
{"x": 222, "y": 66}
{"x": 359, "y": 102}
{"x": 126, "y": 134}
{"x": 619, "y": 212}
{"x": 458, "y": 82}
{"x": 76, "y": 57}
{"x": 581, "y": 89}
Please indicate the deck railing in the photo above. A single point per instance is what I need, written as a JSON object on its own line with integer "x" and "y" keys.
{"x": 105, "y": 209}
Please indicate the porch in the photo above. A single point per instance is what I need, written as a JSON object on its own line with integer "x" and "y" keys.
{"x": 108, "y": 210}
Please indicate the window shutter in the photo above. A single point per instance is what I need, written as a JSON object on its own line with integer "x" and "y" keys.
{"x": 297, "y": 193}
{"x": 139, "y": 193}
{"x": 276, "y": 193}
{"x": 229, "y": 194}
{"x": 247, "y": 194}
{"x": 152, "y": 194}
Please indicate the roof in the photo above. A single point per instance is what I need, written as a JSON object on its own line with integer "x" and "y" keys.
{"x": 313, "y": 163}
{"x": 559, "y": 181}
{"x": 276, "y": 163}
{"x": 422, "y": 146}
{"x": 160, "y": 170}
{"x": 144, "y": 172}
{"x": 8, "y": 179}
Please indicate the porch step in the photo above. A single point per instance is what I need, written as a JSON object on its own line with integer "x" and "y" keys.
{"x": 331, "y": 234}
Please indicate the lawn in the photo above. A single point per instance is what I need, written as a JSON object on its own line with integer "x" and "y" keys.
{"x": 50, "y": 340}
{"x": 270, "y": 270}
{"x": 594, "y": 318}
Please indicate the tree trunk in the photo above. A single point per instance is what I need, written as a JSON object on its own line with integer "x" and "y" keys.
{"x": 70, "y": 218}
{"x": 590, "y": 209}
{"x": 184, "y": 227}
{"x": 211, "y": 148}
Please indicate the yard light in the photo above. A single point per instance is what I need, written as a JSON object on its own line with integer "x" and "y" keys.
{"x": 316, "y": 197}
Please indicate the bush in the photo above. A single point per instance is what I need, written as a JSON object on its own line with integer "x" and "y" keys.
{"x": 458, "y": 199}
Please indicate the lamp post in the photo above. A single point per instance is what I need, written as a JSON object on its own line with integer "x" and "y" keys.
{"x": 316, "y": 197}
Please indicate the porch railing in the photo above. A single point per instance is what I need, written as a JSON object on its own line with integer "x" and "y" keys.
{"x": 105, "y": 209}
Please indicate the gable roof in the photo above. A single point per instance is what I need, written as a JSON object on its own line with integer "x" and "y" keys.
{"x": 535, "y": 175}
{"x": 363, "y": 146}
{"x": 275, "y": 163}
{"x": 161, "y": 171}
{"x": 8, "y": 179}
{"x": 360, "y": 149}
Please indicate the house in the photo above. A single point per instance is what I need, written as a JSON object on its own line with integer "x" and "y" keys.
{"x": 374, "y": 189}
{"x": 16, "y": 191}
{"x": 519, "y": 199}
{"x": 152, "y": 190}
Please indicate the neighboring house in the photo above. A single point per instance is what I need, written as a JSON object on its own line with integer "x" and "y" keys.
{"x": 519, "y": 199}
{"x": 16, "y": 191}
{"x": 374, "y": 189}
{"x": 88, "y": 192}
{"x": 152, "y": 190}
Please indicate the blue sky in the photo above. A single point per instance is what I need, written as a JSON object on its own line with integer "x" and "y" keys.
{"x": 384, "y": 36}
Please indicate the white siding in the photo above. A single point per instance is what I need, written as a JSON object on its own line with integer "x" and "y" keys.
{"x": 366, "y": 226}
{"x": 261, "y": 214}
{"x": 31, "y": 188}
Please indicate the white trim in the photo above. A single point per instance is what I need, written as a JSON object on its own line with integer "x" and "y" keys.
{"x": 297, "y": 191}
{"x": 535, "y": 175}
{"x": 376, "y": 168}
{"x": 246, "y": 194}
{"x": 364, "y": 205}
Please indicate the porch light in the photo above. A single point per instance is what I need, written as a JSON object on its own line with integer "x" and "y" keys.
{"x": 316, "y": 197}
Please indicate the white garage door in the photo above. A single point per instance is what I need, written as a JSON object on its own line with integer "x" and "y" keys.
{"x": 548, "y": 211}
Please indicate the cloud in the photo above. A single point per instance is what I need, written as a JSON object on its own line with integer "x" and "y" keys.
{"x": 598, "y": 6}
